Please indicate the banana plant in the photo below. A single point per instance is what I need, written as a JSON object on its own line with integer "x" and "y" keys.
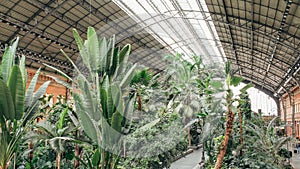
{"x": 99, "y": 93}
{"x": 17, "y": 105}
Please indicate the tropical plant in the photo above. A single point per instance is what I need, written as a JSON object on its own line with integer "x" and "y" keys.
{"x": 53, "y": 139}
{"x": 100, "y": 101}
{"x": 17, "y": 105}
{"x": 58, "y": 135}
{"x": 235, "y": 81}
{"x": 169, "y": 108}
{"x": 263, "y": 148}
{"x": 141, "y": 82}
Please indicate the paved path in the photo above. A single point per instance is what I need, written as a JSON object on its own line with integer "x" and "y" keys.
{"x": 188, "y": 162}
{"x": 295, "y": 160}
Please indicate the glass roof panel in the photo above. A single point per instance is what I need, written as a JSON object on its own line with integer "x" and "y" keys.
{"x": 182, "y": 26}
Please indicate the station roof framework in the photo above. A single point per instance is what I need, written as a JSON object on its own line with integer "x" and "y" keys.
{"x": 260, "y": 38}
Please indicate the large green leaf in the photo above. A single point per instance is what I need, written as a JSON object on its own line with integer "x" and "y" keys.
{"x": 128, "y": 111}
{"x": 93, "y": 48}
{"x": 245, "y": 88}
{"x": 89, "y": 103}
{"x": 23, "y": 70}
{"x": 235, "y": 81}
{"x": 7, "y": 108}
{"x": 117, "y": 98}
{"x": 116, "y": 122}
{"x": 85, "y": 120}
{"x": 216, "y": 85}
{"x": 59, "y": 71}
{"x": 33, "y": 108}
{"x": 70, "y": 60}
{"x": 114, "y": 63}
{"x": 103, "y": 53}
{"x": 103, "y": 100}
{"x": 123, "y": 58}
{"x": 106, "y": 99}
{"x": 110, "y": 52}
{"x": 30, "y": 90}
{"x": 8, "y": 60}
{"x": 110, "y": 104}
{"x": 48, "y": 128}
{"x": 127, "y": 79}
{"x": 96, "y": 158}
{"x": 60, "y": 81}
{"x": 16, "y": 87}
{"x": 61, "y": 120}
{"x": 40, "y": 92}
{"x": 82, "y": 49}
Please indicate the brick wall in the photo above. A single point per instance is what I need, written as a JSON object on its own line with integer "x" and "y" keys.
{"x": 295, "y": 94}
{"x": 54, "y": 88}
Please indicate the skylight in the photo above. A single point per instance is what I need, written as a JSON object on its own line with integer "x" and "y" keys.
{"x": 182, "y": 26}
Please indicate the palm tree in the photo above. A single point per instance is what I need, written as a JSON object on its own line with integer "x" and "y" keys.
{"x": 230, "y": 80}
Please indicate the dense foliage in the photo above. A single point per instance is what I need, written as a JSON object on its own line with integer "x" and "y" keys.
{"x": 123, "y": 116}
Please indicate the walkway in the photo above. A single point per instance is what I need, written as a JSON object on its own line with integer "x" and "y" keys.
{"x": 188, "y": 162}
{"x": 295, "y": 160}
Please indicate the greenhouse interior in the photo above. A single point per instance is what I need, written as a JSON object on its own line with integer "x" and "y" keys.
{"x": 149, "y": 84}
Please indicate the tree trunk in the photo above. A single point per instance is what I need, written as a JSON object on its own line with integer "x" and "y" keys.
{"x": 76, "y": 153}
{"x": 241, "y": 129}
{"x": 58, "y": 156}
{"x": 4, "y": 167}
{"x": 203, "y": 144}
{"x": 124, "y": 149}
{"x": 139, "y": 101}
{"x": 229, "y": 126}
{"x": 30, "y": 147}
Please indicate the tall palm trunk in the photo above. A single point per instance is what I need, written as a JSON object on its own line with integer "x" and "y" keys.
{"x": 203, "y": 142}
{"x": 58, "y": 159}
{"x": 229, "y": 126}
{"x": 76, "y": 153}
{"x": 241, "y": 129}
{"x": 139, "y": 101}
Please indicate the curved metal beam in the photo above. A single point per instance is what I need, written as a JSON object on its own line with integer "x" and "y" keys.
{"x": 231, "y": 37}
{"x": 248, "y": 20}
{"x": 292, "y": 71}
{"x": 242, "y": 61}
{"x": 278, "y": 36}
{"x": 29, "y": 20}
{"x": 256, "y": 31}
{"x": 266, "y": 54}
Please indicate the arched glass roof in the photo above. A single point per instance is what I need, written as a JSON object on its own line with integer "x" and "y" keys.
{"x": 260, "y": 38}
